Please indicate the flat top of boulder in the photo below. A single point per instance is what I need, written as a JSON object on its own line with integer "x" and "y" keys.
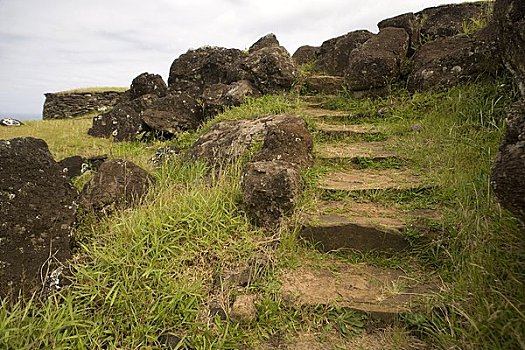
{"x": 448, "y": 20}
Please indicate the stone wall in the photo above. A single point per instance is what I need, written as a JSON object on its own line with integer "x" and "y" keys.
{"x": 71, "y": 105}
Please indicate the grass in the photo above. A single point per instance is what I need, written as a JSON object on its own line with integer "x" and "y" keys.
{"x": 456, "y": 142}
{"x": 156, "y": 270}
{"x": 94, "y": 89}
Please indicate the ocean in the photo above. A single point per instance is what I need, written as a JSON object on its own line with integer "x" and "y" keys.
{"x": 22, "y": 116}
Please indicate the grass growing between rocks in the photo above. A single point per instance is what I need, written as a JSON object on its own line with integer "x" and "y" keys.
{"x": 452, "y": 138}
{"x": 95, "y": 89}
{"x": 144, "y": 277}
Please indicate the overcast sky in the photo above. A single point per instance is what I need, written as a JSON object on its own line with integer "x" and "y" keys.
{"x": 54, "y": 45}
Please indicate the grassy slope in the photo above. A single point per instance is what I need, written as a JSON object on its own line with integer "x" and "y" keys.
{"x": 154, "y": 270}
{"x": 94, "y": 89}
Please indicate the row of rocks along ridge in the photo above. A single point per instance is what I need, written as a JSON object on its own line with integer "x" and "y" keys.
{"x": 421, "y": 51}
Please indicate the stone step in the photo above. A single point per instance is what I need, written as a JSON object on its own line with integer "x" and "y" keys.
{"x": 364, "y": 227}
{"x": 383, "y": 294}
{"x": 322, "y": 113}
{"x": 316, "y": 100}
{"x": 337, "y": 116}
{"x": 371, "y": 179}
{"x": 323, "y": 84}
{"x": 349, "y": 130}
{"x": 355, "y": 150}
{"x": 381, "y": 338}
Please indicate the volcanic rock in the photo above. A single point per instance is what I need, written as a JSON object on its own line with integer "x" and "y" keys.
{"x": 118, "y": 184}
{"x": 377, "y": 63}
{"x": 270, "y": 69}
{"x": 205, "y": 66}
{"x": 270, "y": 190}
{"x": 305, "y": 54}
{"x": 446, "y": 62}
{"x": 289, "y": 142}
{"x": 37, "y": 207}
{"x": 145, "y": 84}
{"x": 508, "y": 173}
{"x": 269, "y": 40}
{"x": 172, "y": 114}
{"x": 218, "y": 97}
{"x": 510, "y": 18}
{"x": 226, "y": 141}
{"x": 449, "y": 20}
{"x": 333, "y": 55}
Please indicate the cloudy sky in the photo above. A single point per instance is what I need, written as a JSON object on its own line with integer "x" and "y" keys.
{"x": 54, "y": 45}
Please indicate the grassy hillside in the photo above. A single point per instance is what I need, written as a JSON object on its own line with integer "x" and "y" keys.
{"x": 158, "y": 269}
{"x": 94, "y": 89}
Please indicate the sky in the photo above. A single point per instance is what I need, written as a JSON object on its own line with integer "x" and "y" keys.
{"x": 55, "y": 45}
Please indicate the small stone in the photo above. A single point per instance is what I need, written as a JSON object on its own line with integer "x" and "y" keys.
{"x": 217, "y": 311}
{"x": 169, "y": 341}
{"x": 416, "y": 127}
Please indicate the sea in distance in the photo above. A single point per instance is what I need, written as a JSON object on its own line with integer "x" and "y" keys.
{"x": 22, "y": 116}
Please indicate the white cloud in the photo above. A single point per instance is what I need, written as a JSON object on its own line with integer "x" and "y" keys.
{"x": 52, "y": 45}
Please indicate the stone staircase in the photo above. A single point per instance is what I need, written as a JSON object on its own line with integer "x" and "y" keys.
{"x": 353, "y": 224}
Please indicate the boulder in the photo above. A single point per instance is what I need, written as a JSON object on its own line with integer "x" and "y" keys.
{"x": 269, "y": 40}
{"x": 289, "y": 142}
{"x": 509, "y": 16}
{"x": 227, "y": 141}
{"x": 145, "y": 84}
{"x": 175, "y": 113}
{"x": 122, "y": 123}
{"x": 270, "y": 69}
{"x": 37, "y": 207}
{"x": 118, "y": 184}
{"x": 508, "y": 173}
{"x": 73, "y": 166}
{"x": 446, "y": 62}
{"x": 377, "y": 63}
{"x": 195, "y": 69}
{"x": 323, "y": 84}
{"x": 217, "y": 97}
{"x": 333, "y": 55}
{"x": 77, "y": 165}
{"x": 449, "y": 20}
{"x": 305, "y": 54}
{"x": 270, "y": 190}
{"x": 410, "y": 23}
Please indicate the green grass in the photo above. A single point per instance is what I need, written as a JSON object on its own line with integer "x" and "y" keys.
{"x": 94, "y": 89}
{"x": 156, "y": 269}
{"x": 479, "y": 251}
